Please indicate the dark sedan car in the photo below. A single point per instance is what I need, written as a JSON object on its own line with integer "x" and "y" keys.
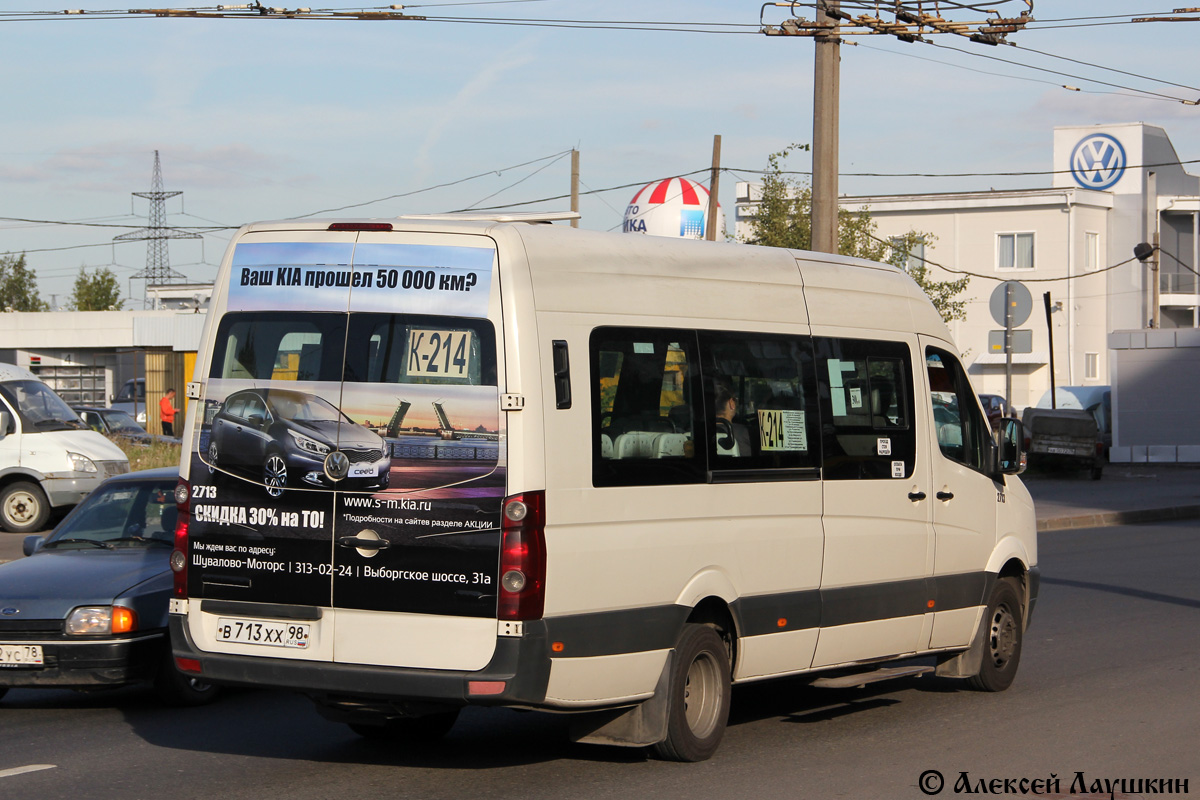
{"x": 285, "y": 438}
{"x": 87, "y": 607}
{"x": 113, "y": 422}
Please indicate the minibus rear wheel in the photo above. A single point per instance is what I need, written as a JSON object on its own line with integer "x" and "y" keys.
{"x": 698, "y": 695}
{"x": 1003, "y": 629}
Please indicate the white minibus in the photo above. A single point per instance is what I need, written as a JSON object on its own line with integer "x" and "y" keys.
{"x": 441, "y": 462}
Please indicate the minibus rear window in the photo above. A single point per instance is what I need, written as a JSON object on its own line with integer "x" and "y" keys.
{"x": 358, "y": 347}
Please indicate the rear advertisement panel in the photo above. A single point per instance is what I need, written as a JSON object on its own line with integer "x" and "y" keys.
{"x": 350, "y": 452}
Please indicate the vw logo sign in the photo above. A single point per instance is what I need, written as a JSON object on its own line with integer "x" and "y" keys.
{"x": 1098, "y": 161}
{"x": 337, "y": 466}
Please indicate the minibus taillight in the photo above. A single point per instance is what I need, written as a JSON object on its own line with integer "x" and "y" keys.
{"x": 360, "y": 226}
{"x": 523, "y": 557}
{"x": 183, "y": 504}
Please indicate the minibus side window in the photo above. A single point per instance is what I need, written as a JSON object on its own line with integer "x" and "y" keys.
{"x": 279, "y": 346}
{"x": 961, "y": 430}
{"x": 644, "y": 407}
{"x": 866, "y": 392}
{"x": 760, "y": 400}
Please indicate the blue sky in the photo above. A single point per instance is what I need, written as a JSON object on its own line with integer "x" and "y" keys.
{"x": 267, "y": 119}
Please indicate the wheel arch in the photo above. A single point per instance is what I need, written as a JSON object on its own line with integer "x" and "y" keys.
{"x": 710, "y": 595}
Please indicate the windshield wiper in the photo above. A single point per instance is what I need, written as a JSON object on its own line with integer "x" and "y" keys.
{"x": 142, "y": 539}
{"x": 57, "y": 542}
{"x": 62, "y": 423}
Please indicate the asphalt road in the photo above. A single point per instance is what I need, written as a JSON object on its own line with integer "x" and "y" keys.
{"x": 1107, "y": 688}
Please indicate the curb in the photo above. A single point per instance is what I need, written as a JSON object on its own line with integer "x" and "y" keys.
{"x": 1109, "y": 518}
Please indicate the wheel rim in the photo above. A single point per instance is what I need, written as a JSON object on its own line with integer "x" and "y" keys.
{"x": 212, "y": 457}
{"x": 21, "y": 508}
{"x": 1003, "y": 636}
{"x": 702, "y": 695}
{"x": 275, "y": 475}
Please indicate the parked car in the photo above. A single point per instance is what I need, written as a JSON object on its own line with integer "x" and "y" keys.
{"x": 87, "y": 607}
{"x": 132, "y": 399}
{"x": 1096, "y": 400}
{"x": 113, "y": 422}
{"x": 283, "y": 437}
{"x": 995, "y": 408}
{"x": 1063, "y": 437}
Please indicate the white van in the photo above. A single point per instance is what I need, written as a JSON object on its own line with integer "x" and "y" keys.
{"x": 48, "y": 457}
{"x": 445, "y": 462}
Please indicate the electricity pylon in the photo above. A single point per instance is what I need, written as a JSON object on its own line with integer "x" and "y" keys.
{"x": 158, "y": 264}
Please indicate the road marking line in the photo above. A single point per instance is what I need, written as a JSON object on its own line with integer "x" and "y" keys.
{"x": 8, "y": 773}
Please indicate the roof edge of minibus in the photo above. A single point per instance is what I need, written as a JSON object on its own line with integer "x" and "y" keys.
{"x": 476, "y": 217}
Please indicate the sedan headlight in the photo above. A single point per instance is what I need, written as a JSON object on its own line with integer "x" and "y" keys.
{"x": 309, "y": 445}
{"x": 101, "y": 620}
{"x": 80, "y": 462}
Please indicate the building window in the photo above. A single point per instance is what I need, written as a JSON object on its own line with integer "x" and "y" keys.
{"x": 1014, "y": 251}
{"x": 1092, "y": 251}
{"x": 916, "y": 254}
{"x": 1091, "y": 366}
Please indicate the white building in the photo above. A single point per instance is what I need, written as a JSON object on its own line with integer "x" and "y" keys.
{"x": 1113, "y": 187}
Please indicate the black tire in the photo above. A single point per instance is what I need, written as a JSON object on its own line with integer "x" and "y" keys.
{"x": 23, "y": 508}
{"x": 1097, "y": 471}
{"x": 1003, "y": 632}
{"x": 213, "y": 453}
{"x": 698, "y": 695}
{"x": 178, "y": 689}
{"x": 409, "y": 730}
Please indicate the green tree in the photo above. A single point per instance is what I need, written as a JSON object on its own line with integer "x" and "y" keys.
{"x": 784, "y": 219}
{"x": 18, "y": 286}
{"x": 96, "y": 292}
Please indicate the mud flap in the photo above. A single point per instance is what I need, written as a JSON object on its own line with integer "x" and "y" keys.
{"x": 636, "y": 726}
{"x": 968, "y": 662}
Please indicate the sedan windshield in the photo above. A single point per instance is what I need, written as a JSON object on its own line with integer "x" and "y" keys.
{"x": 123, "y": 513}
{"x": 120, "y": 422}
{"x": 38, "y": 403}
{"x": 307, "y": 407}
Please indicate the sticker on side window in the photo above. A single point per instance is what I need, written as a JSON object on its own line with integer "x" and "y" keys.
{"x": 782, "y": 430}
{"x": 883, "y": 447}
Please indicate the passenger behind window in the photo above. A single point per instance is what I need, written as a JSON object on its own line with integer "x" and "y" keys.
{"x": 733, "y": 438}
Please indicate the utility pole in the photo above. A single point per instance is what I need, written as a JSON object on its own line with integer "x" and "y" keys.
{"x": 910, "y": 21}
{"x": 710, "y": 232}
{"x": 575, "y": 186}
{"x": 826, "y": 79}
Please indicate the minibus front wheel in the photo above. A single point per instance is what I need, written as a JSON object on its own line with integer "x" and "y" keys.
{"x": 1002, "y": 631}
{"x": 698, "y": 695}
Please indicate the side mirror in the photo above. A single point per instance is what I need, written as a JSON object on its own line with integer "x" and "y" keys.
{"x": 4, "y": 421}
{"x": 32, "y": 544}
{"x": 1010, "y": 447}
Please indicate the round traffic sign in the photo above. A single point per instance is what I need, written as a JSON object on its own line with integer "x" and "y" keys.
{"x": 1018, "y": 298}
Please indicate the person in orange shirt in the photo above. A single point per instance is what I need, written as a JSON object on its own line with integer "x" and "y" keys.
{"x": 167, "y": 412}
